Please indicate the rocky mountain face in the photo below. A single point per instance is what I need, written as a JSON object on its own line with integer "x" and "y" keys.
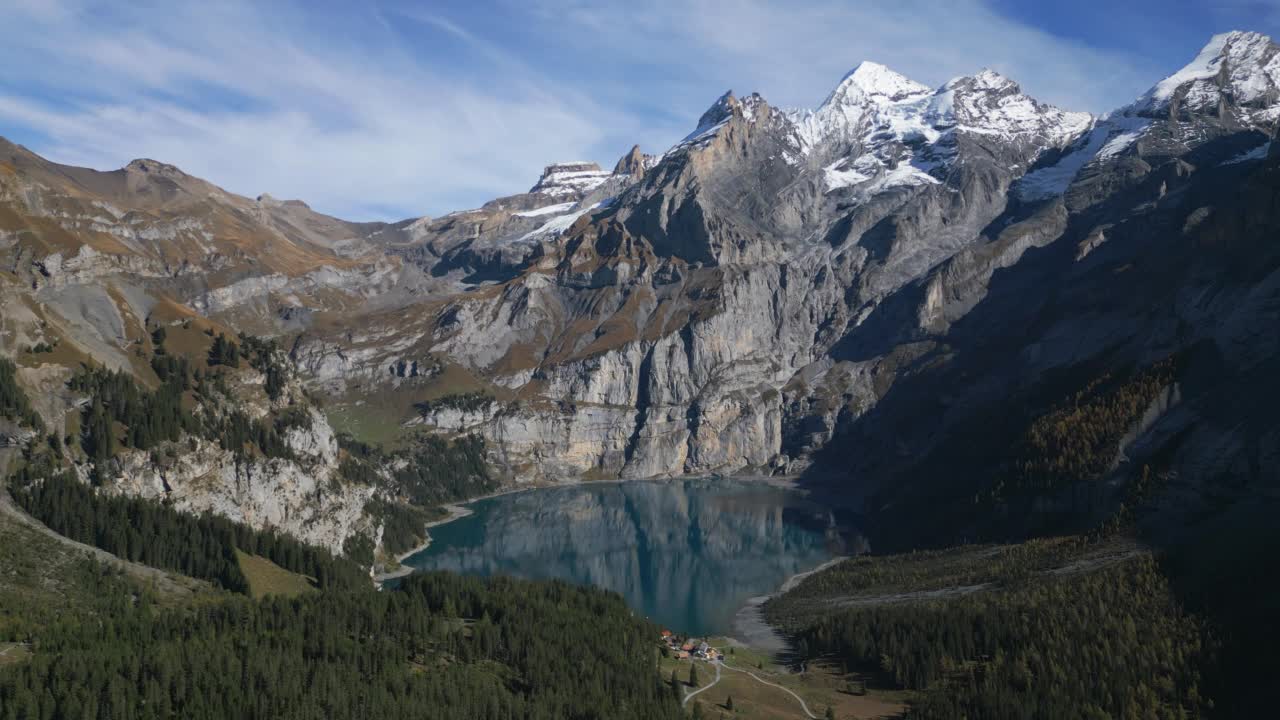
{"x": 826, "y": 292}
{"x": 1150, "y": 239}
{"x": 685, "y": 325}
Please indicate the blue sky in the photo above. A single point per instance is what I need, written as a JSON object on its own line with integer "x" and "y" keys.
{"x": 384, "y": 110}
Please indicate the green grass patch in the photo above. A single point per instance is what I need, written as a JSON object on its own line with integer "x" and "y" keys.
{"x": 741, "y": 694}
{"x": 43, "y": 580}
{"x": 376, "y": 415}
{"x": 13, "y": 653}
{"x": 369, "y": 422}
{"x": 267, "y": 578}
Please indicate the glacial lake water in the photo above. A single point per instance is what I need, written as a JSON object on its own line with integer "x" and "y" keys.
{"x": 688, "y": 554}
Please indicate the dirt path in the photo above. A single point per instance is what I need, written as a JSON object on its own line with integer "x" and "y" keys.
{"x": 1105, "y": 555}
{"x": 798, "y": 578}
{"x": 1095, "y": 558}
{"x": 704, "y": 688}
{"x": 762, "y": 681}
{"x": 918, "y": 595}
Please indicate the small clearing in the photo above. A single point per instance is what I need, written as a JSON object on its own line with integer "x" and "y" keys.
{"x": 267, "y": 578}
{"x": 13, "y": 653}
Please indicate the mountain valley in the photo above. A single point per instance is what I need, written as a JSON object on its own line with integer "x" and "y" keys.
{"x": 958, "y": 316}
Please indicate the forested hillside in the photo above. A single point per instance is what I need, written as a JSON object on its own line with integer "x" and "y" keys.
{"x": 435, "y": 646}
{"x": 1054, "y": 630}
{"x": 150, "y": 533}
{"x": 438, "y": 646}
{"x": 201, "y": 391}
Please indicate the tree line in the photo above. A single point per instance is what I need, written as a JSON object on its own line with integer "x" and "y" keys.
{"x": 14, "y": 403}
{"x": 431, "y": 471}
{"x": 154, "y": 534}
{"x": 1102, "y": 644}
{"x": 437, "y": 646}
{"x": 121, "y": 413}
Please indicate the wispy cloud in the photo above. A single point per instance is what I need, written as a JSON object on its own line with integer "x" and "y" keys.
{"x": 392, "y": 110}
{"x": 261, "y": 102}
{"x": 793, "y": 53}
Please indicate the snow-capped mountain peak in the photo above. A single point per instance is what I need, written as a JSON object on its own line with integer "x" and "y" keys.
{"x": 719, "y": 112}
{"x": 1235, "y": 68}
{"x": 570, "y": 179}
{"x": 870, "y": 94}
{"x": 873, "y": 82}
{"x": 879, "y": 130}
{"x": 1236, "y": 75}
{"x": 989, "y": 103}
{"x": 985, "y": 80}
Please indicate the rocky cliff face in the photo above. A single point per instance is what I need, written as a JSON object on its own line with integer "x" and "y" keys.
{"x": 686, "y": 325}
{"x": 304, "y": 497}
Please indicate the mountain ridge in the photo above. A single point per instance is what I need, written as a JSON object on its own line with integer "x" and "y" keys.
{"x": 732, "y": 305}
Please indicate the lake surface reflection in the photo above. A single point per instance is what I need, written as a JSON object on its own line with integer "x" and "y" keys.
{"x": 687, "y": 553}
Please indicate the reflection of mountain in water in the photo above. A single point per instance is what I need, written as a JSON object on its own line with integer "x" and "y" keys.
{"x": 684, "y": 553}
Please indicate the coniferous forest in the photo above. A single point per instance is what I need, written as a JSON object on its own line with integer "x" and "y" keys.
{"x": 150, "y": 533}
{"x": 1103, "y": 644}
{"x": 14, "y": 403}
{"x": 438, "y": 646}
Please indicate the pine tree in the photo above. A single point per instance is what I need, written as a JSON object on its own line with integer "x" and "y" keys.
{"x": 98, "y": 441}
{"x": 224, "y": 352}
{"x": 693, "y": 675}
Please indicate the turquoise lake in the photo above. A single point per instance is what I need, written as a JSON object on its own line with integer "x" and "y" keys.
{"x": 687, "y": 554}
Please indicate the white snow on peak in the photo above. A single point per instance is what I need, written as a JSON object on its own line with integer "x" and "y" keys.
{"x": 869, "y": 93}
{"x": 875, "y": 82}
{"x": 991, "y": 104}
{"x": 558, "y": 209}
{"x": 749, "y": 105}
{"x": 989, "y": 79}
{"x": 1109, "y": 137}
{"x": 1206, "y": 65}
{"x": 875, "y": 101}
{"x": 702, "y": 133}
{"x": 558, "y": 225}
{"x": 714, "y": 118}
{"x": 570, "y": 179}
{"x": 1121, "y": 136}
{"x": 1245, "y": 65}
{"x": 898, "y": 129}
{"x": 1252, "y": 74}
{"x": 897, "y": 132}
{"x": 868, "y": 169}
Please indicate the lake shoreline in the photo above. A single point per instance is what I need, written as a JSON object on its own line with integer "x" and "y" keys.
{"x": 453, "y": 512}
{"x": 459, "y": 510}
{"x": 749, "y": 621}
